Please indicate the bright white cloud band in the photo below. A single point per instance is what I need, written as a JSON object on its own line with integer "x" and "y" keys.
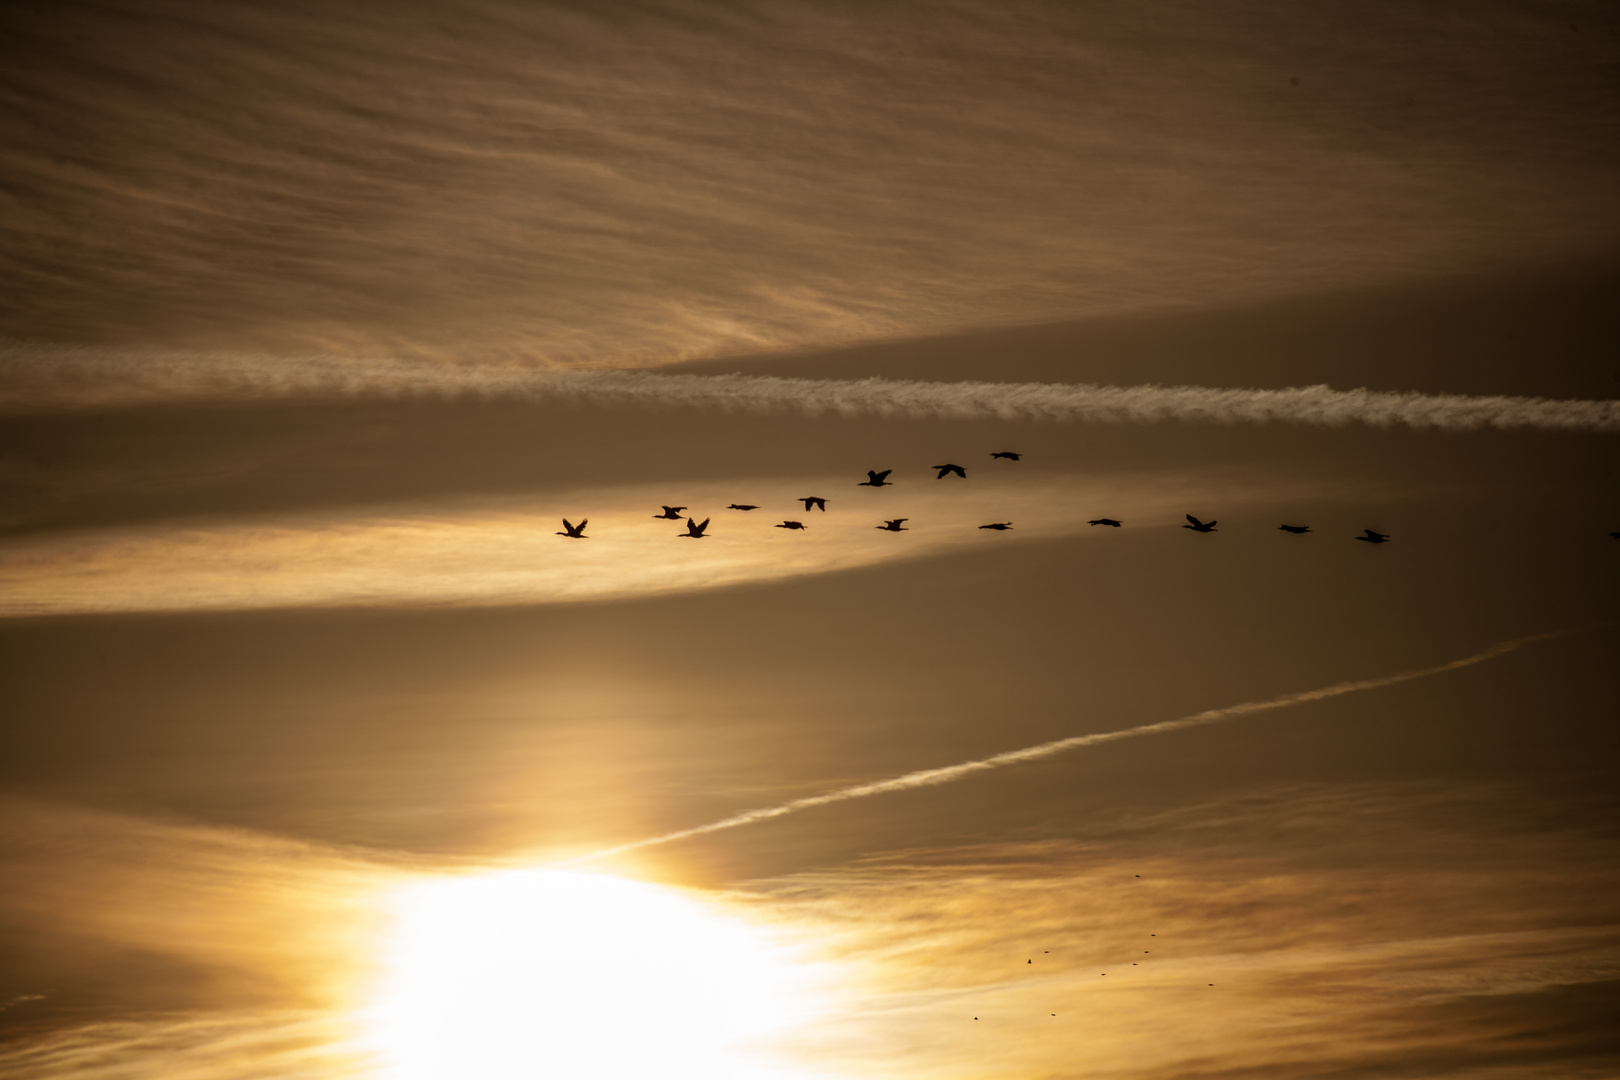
{"x": 950, "y": 773}
{"x": 66, "y": 378}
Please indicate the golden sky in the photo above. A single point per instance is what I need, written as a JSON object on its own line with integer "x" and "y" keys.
{"x": 326, "y": 756}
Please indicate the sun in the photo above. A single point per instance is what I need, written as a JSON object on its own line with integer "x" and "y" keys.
{"x": 529, "y": 974}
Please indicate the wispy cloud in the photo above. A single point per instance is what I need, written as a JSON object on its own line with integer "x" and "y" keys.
{"x": 951, "y": 773}
{"x": 1341, "y": 928}
{"x": 506, "y": 551}
{"x": 700, "y": 179}
{"x": 32, "y": 378}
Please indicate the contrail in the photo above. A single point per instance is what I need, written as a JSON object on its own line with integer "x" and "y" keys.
{"x": 34, "y": 378}
{"x": 950, "y": 773}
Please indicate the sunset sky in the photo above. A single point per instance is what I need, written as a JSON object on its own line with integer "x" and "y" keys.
{"x": 327, "y": 757}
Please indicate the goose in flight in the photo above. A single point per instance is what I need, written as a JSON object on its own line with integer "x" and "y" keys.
{"x": 1199, "y": 526}
{"x": 1008, "y": 454}
{"x": 575, "y": 531}
{"x": 742, "y": 506}
{"x": 671, "y": 513}
{"x": 999, "y": 526}
{"x": 893, "y": 526}
{"x": 791, "y": 525}
{"x": 1106, "y": 521}
{"x": 876, "y": 479}
{"x": 694, "y": 529}
{"x": 1374, "y": 537}
{"x": 946, "y": 470}
{"x": 815, "y": 501}
{"x": 1295, "y": 529}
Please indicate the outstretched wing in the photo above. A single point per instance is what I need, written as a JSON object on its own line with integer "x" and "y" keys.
{"x": 879, "y": 476}
{"x": 567, "y": 526}
{"x": 582, "y": 523}
{"x": 1194, "y": 520}
{"x": 703, "y": 526}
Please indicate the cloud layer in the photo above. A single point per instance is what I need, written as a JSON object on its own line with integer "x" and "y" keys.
{"x": 689, "y": 179}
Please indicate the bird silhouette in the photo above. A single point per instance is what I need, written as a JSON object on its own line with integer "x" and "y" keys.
{"x": 671, "y": 513}
{"x": 791, "y": 525}
{"x": 1106, "y": 521}
{"x": 1374, "y": 537}
{"x": 742, "y": 506}
{"x": 1199, "y": 526}
{"x": 893, "y": 526}
{"x": 875, "y": 479}
{"x": 815, "y": 501}
{"x": 1008, "y": 454}
{"x": 1295, "y": 529}
{"x": 1615, "y": 536}
{"x": 946, "y": 470}
{"x": 694, "y": 530}
{"x": 999, "y": 526}
{"x": 575, "y": 531}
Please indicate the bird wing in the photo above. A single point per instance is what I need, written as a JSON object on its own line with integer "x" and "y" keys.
{"x": 884, "y": 475}
{"x": 1194, "y": 520}
{"x": 567, "y": 526}
{"x": 704, "y": 525}
{"x": 582, "y": 523}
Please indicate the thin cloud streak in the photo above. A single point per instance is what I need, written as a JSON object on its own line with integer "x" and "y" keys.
{"x": 951, "y": 773}
{"x": 504, "y": 552}
{"x": 42, "y": 378}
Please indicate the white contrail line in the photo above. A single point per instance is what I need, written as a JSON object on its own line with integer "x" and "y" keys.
{"x": 950, "y": 773}
{"x": 33, "y": 378}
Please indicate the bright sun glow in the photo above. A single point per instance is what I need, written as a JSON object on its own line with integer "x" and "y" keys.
{"x": 530, "y": 974}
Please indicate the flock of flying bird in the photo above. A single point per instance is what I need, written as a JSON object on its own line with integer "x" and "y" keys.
{"x": 698, "y": 530}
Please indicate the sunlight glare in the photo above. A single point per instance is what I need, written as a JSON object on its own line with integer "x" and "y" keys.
{"x": 529, "y": 974}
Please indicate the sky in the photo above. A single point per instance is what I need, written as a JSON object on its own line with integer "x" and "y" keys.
{"x": 326, "y": 755}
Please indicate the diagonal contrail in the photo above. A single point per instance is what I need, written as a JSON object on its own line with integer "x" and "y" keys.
{"x": 33, "y": 378}
{"x": 950, "y": 773}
